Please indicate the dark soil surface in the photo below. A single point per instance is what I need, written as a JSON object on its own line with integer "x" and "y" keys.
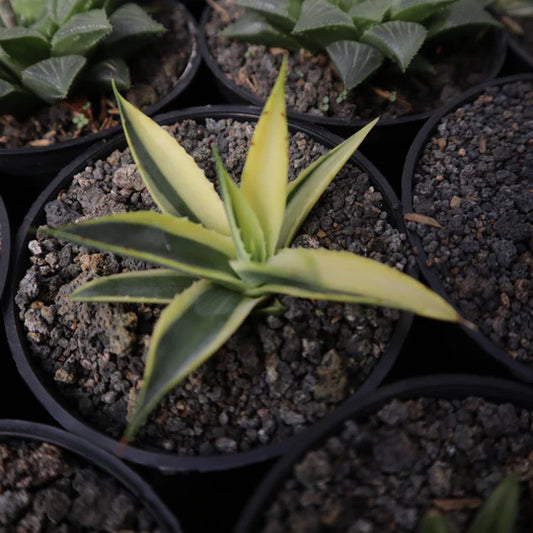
{"x": 274, "y": 376}
{"x": 43, "y": 489}
{"x": 475, "y": 179}
{"x": 313, "y": 86}
{"x": 154, "y": 72}
{"x": 384, "y": 474}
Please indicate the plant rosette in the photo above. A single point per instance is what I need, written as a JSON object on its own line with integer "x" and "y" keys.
{"x": 467, "y": 197}
{"x": 276, "y": 375}
{"x": 246, "y": 73}
{"x": 53, "y": 136}
{"x": 435, "y": 444}
{"x": 53, "y": 480}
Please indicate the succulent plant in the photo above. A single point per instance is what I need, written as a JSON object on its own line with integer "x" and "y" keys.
{"x": 357, "y": 35}
{"x": 49, "y": 46}
{"x": 224, "y": 257}
{"x": 497, "y": 515}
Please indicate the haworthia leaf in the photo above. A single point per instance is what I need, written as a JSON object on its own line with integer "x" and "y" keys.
{"x": 81, "y": 33}
{"x": 283, "y": 13}
{"x": 398, "y": 40}
{"x": 343, "y": 276}
{"x": 113, "y": 69}
{"x": 416, "y": 10}
{"x": 46, "y": 26}
{"x": 28, "y": 11}
{"x": 177, "y": 184}
{"x": 354, "y": 61}
{"x": 265, "y": 174}
{"x": 52, "y": 78}
{"x": 369, "y": 12}
{"x": 306, "y": 189}
{"x": 156, "y": 286}
{"x": 245, "y": 228}
{"x": 24, "y": 45}
{"x": 62, "y": 10}
{"x": 164, "y": 240}
{"x": 189, "y": 331}
{"x": 434, "y": 522}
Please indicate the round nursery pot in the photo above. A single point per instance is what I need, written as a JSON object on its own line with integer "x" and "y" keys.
{"x": 276, "y": 375}
{"x": 53, "y": 480}
{"x": 384, "y": 460}
{"x": 164, "y": 72}
{"x": 5, "y": 245}
{"x": 314, "y": 91}
{"x": 467, "y": 178}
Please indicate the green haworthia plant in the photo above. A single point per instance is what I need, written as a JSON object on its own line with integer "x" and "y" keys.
{"x": 223, "y": 257}
{"x": 357, "y": 35}
{"x": 497, "y": 515}
{"x": 47, "y": 46}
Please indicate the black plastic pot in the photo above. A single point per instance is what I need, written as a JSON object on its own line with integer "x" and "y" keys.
{"x": 42, "y": 385}
{"x": 48, "y": 160}
{"x": 389, "y": 131}
{"x": 87, "y": 452}
{"x": 447, "y": 386}
{"x": 517, "y": 369}
{"x": 5, "y": 245}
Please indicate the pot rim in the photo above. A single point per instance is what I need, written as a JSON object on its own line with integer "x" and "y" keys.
{"x": 5, "y": 247}
{"x": 184, "y": 81}
{"x": 170, "y": 462}
{"x": 245, "y": 96}
{"x": 141, "y": 490}
{"x": 519, "y": 370}
{"x": 448, "y": 386}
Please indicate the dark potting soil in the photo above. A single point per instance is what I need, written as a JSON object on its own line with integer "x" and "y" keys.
{"x": 276, "y": 375}
{"x": 44, "y": 489}
{"x": 154, "y": 73}
{"x": 383, "y": 474}
{"x": 313, "y": 86}
{"x": 475, "y": 179}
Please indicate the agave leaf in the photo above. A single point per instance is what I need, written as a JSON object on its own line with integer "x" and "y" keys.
{"x": 177, "y": 184}
{"x": 282, "y": 13}
{"x": 155, "y": 286}
{"x": 189, "y": 331}
{"x": 398, "y": 40}
{"x": 132, "y": 28}
{"x": 265, "y": 174}
{"x": 499, "y": 512}
{"x": 306, "y": 189}
{"x": 164, "y": 240}
{"x": 416, "y": 10}
{"x": 52, "y": 78}
{"x": 253, "y": 28}
{"x": 324, "y": 23}
{"x": 343, "y": 276}
{"x": 354, "y": 61}
{"x": 434, "y": 522}
{"x": 461, "y": 14}
{"x": 369, "y": 12}
{"x": 81, "y": 33}
{"x": 245, "y": 228}
{"x": 110, "y": 70}
{"x": 24, "y": 45}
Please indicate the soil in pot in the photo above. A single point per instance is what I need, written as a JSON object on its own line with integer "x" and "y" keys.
{"x": 474, "y": 179}
{"x": 385, "y": 472}
{"x": 276, "y": 375}
{"x": 155, "y": 71}
{"x": 314, "y": 88}
{"x": 45, "y": 488}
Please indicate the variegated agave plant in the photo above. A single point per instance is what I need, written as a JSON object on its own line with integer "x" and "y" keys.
{"x": 224, "y": 257}
{"x": 359, "y": 36}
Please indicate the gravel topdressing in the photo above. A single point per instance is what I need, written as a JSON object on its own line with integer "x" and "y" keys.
{"x": 475, "y": 178}
{"x": 274, "y": 376}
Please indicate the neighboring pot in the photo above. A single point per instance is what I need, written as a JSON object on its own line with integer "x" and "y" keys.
{"x": 389, "y": 130}
{"x": 82, "y": 454}
{"x": 387, "y": 436}
{"x": 506, "y": 230}
{"x": 42, "y": 384}
{"x": 48, "y": 160}
{"x": 5, "y": 245}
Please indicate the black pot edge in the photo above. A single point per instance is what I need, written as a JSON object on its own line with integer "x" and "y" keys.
{"x": 96, "y": 456}
{"x": 5, "y": 247}
{"x": 9, "y": 156}
{"x": 519, "y": 370}
{"x": 167, "y": 462}
{"x": 416, "y": 119}
{"x": 438, "y": 385}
